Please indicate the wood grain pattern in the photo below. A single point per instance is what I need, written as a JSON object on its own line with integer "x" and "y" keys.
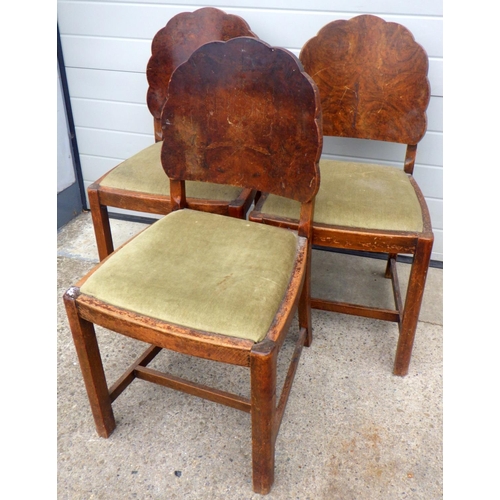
{"x": 372, "y": 77}
{"x": 181, "y": 36}
{"x": 232, "y": 119}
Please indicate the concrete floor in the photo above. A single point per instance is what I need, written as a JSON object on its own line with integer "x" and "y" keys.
{"x": 351, "y": 430}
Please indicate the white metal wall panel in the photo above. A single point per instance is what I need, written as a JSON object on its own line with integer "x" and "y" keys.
{"x": 430, "y": 180}
{"x": 112, "y": 115}
{"x": 106, "y": 45}
{"x": 423, "y": 7}
{"x": 110, "y": 143}
{"x": 112, "y": 54}
{"x": 435, "y": 114}
{"x": 107, "y": 85}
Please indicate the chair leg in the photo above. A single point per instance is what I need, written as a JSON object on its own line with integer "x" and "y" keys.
{"x": 304, "y": 308}
{"x": 100, "y": 220}
{"x": 412, "y": 306}
{"x": 89, "y": 357}
{"x": 388, "y": 273}
{"x": 263, "y": 361}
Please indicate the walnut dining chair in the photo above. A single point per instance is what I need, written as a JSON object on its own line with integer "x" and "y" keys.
{"x": 208, "y": 285}
{"x": 372, "y": 79}
{"x": 139, "y": 183}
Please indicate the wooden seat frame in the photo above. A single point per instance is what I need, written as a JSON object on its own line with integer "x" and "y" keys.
{"x": 356, "y": 103}
{"x": 236, "y": 64}
{"x": 171, "y": 46}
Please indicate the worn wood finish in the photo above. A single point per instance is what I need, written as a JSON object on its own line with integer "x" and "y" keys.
{"x": 355, "y": 309}
{"x": 174, "y": 43}
{"x": 226, "y": 137}
{"x": 199, "y": 390}
{"x": 165, "y": 335}
{"x": 271, "y": 86}
{"x": 131, "y": 373}
{"x": 89, "y": 357}
{"x": 372, "y": 78}
{"x": 264, "y": 429}
{"x": 292, "y": 370}
{"x": 170, "y": 47}
{"x": 305, "y": 228}
{"x": 414, "y": 295}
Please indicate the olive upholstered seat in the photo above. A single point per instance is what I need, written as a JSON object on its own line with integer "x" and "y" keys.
{"x": 143, "y": 173}
{"x": 358, "y": 195}
{"x": 226, "y": 279}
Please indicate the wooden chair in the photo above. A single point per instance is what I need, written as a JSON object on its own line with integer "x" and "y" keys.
{"x": 241, "y": 113}
{"x": 372, "y": 78}
{"x": 139, "y": 183}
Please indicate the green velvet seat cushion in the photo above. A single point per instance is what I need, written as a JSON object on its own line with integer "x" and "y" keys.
{"x": 143, "y": 173}
{"x": 203, "y": 271}
{"x": 358, "y": 195}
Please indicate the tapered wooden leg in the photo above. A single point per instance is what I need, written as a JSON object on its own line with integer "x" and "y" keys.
{"x": 263, "y": 360}
{"x": 91, "y": 365}
{"x": 100, "y": 220}
{"x": 305, "y": 320}
{"x": 412, "y": 306}
{"x": 388, "y": 272}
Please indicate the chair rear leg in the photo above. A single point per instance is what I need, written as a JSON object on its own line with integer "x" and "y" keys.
{"x": 413, "y": 303}
{"x": 388, "y": 273}
{"x": 100, "y": 220}
{"x": 304, "y": 309}
{"x": 263, "y": 360}
{"x": 85, "y": 341}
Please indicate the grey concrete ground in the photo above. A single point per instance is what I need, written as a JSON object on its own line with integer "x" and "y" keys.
{"x": 351, "y": 430}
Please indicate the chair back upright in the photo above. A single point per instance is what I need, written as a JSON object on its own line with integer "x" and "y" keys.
{"x": 372, "y": 78}
{"x": 243, "y": 113}
{"x": 174, "y": 43}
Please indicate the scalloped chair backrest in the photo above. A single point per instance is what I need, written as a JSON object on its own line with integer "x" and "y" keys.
{"x": 174, "y": 43}
{"x": 244, "y": 113}
{"x": 372, "y": 78}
